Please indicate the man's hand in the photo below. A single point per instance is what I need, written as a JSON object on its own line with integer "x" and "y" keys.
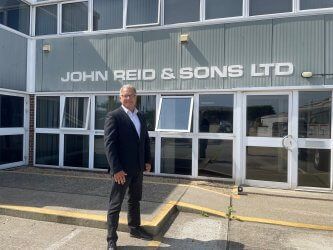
{"x": 120, "y": 177}
{"x": 148, "y": 167}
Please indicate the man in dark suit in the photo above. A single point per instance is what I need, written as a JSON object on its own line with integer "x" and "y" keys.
{"x": 128, "y": 152}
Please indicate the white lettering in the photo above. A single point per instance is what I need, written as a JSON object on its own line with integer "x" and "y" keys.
{"x": 289, "y": 69}
{"x": 167, "y": 74}
{"x": 85, "y": 76}
{"x": 186, "y": 73}
{"x": 235, "y": 71}
{"x": 205, "y": 72}
{"x": 119, "y": 75}
{"x": 131, "y": 75}
{"x": 76, "y": 76}
{"x": 253, "y": 71}
{"x": 148, "y": 74}
{"x": 65, "y": 79}
{"x": 223, "y": 73}
{"x": 267, "y": 68}
{"x": 99, "y": 74}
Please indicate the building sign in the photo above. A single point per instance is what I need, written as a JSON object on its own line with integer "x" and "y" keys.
{"x": 232, "y": 71}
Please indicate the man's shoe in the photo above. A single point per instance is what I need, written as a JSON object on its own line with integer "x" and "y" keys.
{"x": 112, "y": 246}
{"x": 139, "y": 232}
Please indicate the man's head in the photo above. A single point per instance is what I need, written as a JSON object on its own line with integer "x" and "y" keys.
{"x": 128, "y": 96}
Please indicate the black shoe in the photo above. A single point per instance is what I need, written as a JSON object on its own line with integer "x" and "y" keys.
{"x": 139, "y": 232}
{"x": 112, "y": 246}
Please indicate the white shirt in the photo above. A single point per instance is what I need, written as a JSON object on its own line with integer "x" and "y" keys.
{"x": 134, "y": 118}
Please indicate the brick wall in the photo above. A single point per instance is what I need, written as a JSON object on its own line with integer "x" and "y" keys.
{"x": 31, "y": 128}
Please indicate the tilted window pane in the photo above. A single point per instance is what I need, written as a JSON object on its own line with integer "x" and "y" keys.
{"x": 315, "y": 4}
{"x": 108, "y": 14}
{"x": 76, "y": 151}
{"x": 100, "y": 160}
{"x": 75, "y": 113}
{"x": 215, "y": 158}
{"x": 314, "y": 167}
{"x": 176, "y": 156}
{"x": 175, "y": 114}
{"x": 47, "y": 115}
{"x": 47, "y": 149}
{"x": 11, "y": 111}
{"x": 142, "y": 12}
{"x": 183, "y": 11}
{"x": 267, "y": 116}
{"x": 11, "y": 148}
{"x": 46, "y": 20}
{"x": 103, "y": 105}
{"x": 315, "y": 114}
{"x": 16, "y": 15}
{"x": 216, "y": 113}
{"x": 223, "y": 8}
{"x": 74, "y": 17}
{"x": 267, "y": 164}
{"x": 147, "y": 105}
{"x": 262, "y": 7}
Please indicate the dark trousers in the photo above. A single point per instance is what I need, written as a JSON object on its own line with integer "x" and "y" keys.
{"x": 118, "y": 191}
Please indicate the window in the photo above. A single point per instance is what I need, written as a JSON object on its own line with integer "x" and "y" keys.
{"x": 147, "y": 105}
{"x": 46, "y": 20}
{"x": 47, "y": 149}
{"x": 108, "y": 14}
{"x": 11, "y": 111}
{"x": 76, "y": 151}
{"x": 183, "y": 11}
{"x": 74, "y": 17}
{"x": 223, "y": 8}
{"x": 141, "y": 12}
{"x": 315, "y": 4}
{"x": 100, "y": 160}
{"x": 16, "y": 15}
{"x": 262, "y": 7}
{"x": 315, "y": 114}
{"x": 175, "y": 114}
{"x": 216, "y": 113}
{"x": 11, "y": 149}
{"x": 103, "y": 105}
{"x": 76, "y": 112}
{"x": 47, "y": 114}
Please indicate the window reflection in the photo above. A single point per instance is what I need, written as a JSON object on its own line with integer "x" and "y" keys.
{"x": 100, "y": 160}
{"x": 46, "y": 20}
{"x": 315, "y": 4}
{"x": 108, "y": 14}
{"x": 142, "y": 12}
{"x": 262, "y": 7}
{"x": 314, "y": 167}
{"x": 74, "y": 17}
{"x": 216, "y": 114}
{"x": 16, "y": 15}
{"x": 76, "y": 151}
{"x": 47, "y": 114}
{"x": 267, "y": 116}
{"x": 47, "y": 149}
{"x": 315, "y": 114}
{"x": 147, "y": 105}
{"x": 76, "y": 111}
{"x": 11, "y": 111}
{"x": 103, "y": 105}
{"x": 11, "y": 148}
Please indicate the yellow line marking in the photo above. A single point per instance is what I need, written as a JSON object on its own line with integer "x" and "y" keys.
{"x": 161, "y": 215}
{"x": 199, "y": 208}
{"x": 154, "y": 243}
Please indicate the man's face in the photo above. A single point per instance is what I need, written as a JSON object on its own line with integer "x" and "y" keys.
{"x": 128, "y": 98}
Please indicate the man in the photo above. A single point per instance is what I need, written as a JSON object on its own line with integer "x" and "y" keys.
{"x": 128, "y": 152}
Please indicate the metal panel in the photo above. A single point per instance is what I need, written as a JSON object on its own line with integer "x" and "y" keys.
{"x": 13, "y": 66}
{"x": 89, "y": 57}
{"x": 161, "y": 49}
{"x": 57, "y": 63}
{"x": 329, "y": 49}
{"x": 204, "y": 49}
{"x": 124, "y": 52}
{"x": 39, "y": 65}
{"x": 247, "y": 44}
{"x": 300, "y": 41}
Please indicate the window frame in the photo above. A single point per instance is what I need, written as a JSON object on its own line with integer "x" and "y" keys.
{"x": 189, "y": 118}
{"x": 60, "y": 8}
{"x": 34, "y": 19}
{"x": 125, "y": 5}
{"x": 278, "y": 14}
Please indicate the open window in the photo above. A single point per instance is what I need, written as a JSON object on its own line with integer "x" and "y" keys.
{"x": 76, "y": 113}
{"x": 175, "y": 114}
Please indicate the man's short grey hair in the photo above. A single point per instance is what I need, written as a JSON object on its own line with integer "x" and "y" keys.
{"x": 127, "y": 86}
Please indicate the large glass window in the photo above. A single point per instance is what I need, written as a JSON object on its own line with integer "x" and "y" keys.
{"x": 223, "y": 8}
{"x": 314, "y": 167}
{"x": 47, "y": 114}
{"x": 75, "y": 113}
{"x": 152, "y": 152}
{"x": 46, "y": 20}
{"x": 74, "y": 17}
{"x": 103, "y": 105}
{"x": 216, "y": 113}
{"x": 142, "y": 12}
{"x": 262, "y": 7}
{"x": 176, "y": 156}
{"x": 147, "y": 105}
{"x": 16, "y": 15}
{"x": 267, "y": 116}
{"x": 266, "y": 164}
{"x": 11, "y": 111}
{"x": 76, "y": 151}
{"x": 183, "y": 11}
{"x": 215, "y": 158}
{"x": 315, "y": 4}
{"x": 175, "y": 114}
{"x": 100, "y": 160}
{"x": 11, "y": 149}
{"x": 315, "y": 114}
{"x": 47, "y": 149}
{"x": 108, "y": 14}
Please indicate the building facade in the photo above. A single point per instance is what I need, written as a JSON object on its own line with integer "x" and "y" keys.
{"x": 235, "y": 90}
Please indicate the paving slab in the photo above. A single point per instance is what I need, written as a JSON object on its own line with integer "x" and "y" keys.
{"x": 246, "y": 235}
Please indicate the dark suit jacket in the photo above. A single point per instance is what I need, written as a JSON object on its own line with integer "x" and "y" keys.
{"x": 124, "y": 149}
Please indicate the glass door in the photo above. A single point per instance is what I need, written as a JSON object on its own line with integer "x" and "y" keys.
{"x": 268, "y": 142}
